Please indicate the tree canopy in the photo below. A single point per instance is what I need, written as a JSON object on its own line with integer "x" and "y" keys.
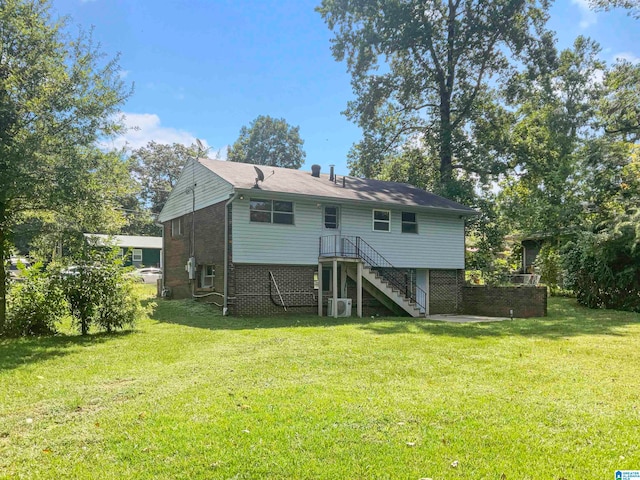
{"x": 58, "y": 96}
{"x": 422, "y": 75}
{"x": 157, "y": 167}
{"x": 269, "y": 141}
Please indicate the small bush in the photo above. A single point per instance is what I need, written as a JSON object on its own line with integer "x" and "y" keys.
{"x": 548, "y": 265}
{"x": 35, "y": 305}
{"x": 100, "y": 292}
{"x": 95, "y": 291}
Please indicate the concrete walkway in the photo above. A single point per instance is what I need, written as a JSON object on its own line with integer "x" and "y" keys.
{"x": 465, "y": 318}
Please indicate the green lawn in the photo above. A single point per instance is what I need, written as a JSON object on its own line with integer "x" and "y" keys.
{"x": 193, "y": 395}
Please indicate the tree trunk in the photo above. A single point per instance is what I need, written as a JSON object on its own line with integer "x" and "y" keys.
{"x": 446, "y": 153}
{"x": 3, "y": 277}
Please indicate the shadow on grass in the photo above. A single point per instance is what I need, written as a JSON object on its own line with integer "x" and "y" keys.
{"x": 565, "y": 319}
{"x": 198, "y": 315}
{"x": 16, "y": 352}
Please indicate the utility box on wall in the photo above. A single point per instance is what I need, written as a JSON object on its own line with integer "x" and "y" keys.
{"x": 190, "y": 267}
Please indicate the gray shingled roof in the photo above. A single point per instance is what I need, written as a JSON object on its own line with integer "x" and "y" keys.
{"x": 130, "y": 241}
{"x": 297, "y": 182}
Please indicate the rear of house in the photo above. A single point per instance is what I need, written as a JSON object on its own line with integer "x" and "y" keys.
{"x": 301, "y": 242}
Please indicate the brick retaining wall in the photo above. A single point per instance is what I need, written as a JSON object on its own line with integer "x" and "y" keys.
{"x": 498, "y": 301}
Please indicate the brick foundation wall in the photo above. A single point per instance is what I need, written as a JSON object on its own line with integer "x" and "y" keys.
{"x": 255, "y": 294}
{"x": 209, "y": 250}
{"x": 497, "y": 301}
{"x": 445, "y": 291}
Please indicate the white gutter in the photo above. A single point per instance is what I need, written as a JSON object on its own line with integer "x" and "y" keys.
{"x": 225, "y": 304}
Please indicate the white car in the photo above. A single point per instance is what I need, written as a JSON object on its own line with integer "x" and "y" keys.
{"x": 148, "y": 275}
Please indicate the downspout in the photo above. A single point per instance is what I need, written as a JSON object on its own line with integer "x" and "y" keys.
{"x": 162, "y": 257}
{"x": 225, "y": 305}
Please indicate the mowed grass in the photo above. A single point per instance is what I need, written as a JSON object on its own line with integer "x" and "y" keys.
{"x": 190, "y": 394}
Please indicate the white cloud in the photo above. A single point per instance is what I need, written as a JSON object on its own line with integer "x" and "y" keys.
{"x": 628, "y": 56}
{"x": 587, "y": 16}
{"x": 124, "y": 74}
{"x": 143, "y": 128}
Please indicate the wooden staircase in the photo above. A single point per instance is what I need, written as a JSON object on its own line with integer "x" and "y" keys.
{"x": 385, "y": 282}
{"x": 384, "y": 292}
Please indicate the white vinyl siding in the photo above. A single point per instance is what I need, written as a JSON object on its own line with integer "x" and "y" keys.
{"x": 439, "y": 242}
{"x": 209, "y": 189}
{"x": 262, "y": 242}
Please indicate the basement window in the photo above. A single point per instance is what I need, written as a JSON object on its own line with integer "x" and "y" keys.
{"x": 381, "y": 220}
{"x": 271, "y": 211}
{"x": 207, "y": 276}
{"x": 409, "y": 222}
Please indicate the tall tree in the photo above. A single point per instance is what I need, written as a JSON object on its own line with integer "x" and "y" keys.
{"x": 620, "y": 108}
{"x": 157, "y": 167}
{"x": 421, "y": 71}
{"x": 58, "y": 95}
{"x": 556, "y": 118}
{"x": 633, "y": 6}
{"x": 269, "y": 141}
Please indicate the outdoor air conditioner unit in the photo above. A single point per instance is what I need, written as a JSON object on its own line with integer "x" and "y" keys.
{"x": 344, "y": 307}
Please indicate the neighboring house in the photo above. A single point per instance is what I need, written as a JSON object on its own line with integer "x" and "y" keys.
{"x": 301, "y": 241}
{"x": 145, "y": 251}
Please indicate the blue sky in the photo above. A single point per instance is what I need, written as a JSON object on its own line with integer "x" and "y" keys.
{"x": 204, "y": 68}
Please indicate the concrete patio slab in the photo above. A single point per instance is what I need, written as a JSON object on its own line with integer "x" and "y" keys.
{"x": 465, "y": 318}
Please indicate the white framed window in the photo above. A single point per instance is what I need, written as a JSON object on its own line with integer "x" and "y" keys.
{"x": 331, "y": 217}
{"x": 176, "y": 227}
{"x": 121, "y": 252}
{"x": 381, "y": 220}
{"x": 136, "y": 255}
{"x": 207, "y": 276}
{"x": 409, "y": 222}
{"x": 271, "y": 211}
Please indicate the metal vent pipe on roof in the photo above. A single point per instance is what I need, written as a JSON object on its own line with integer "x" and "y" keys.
{"x": 331, "y": 176}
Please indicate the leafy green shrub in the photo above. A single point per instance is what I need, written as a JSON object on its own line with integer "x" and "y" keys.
{"x": 548, "y": 265}
{"x": 100, "y": 292}
{"x": 602, "y": 268}
{"x": 35, "y": 305}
